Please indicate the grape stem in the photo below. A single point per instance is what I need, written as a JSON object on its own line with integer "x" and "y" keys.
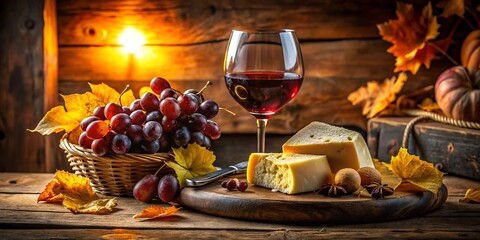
{"x": 121, "y": 94}
{"x": 204, "y": 87}
{"x": 159, "y": 169}
{"x": 226, "y": 110}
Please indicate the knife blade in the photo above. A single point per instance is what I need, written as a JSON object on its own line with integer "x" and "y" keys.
{"x": 203, "y": 180}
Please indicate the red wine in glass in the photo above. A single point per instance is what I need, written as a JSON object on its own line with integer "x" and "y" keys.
{"x": 263, "y": 93}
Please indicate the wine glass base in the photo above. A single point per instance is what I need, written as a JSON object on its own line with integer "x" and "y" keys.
{"x": 262, "y": 115}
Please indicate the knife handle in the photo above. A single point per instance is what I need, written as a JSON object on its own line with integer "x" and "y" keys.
{"x": 203, "y": 180}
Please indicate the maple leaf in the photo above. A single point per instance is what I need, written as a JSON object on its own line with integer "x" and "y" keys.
{"x": 452, "y": 7}
{"x": 76, "y": 194}
{"x": 409, "y": 35}
{"x": 376, "y": 97}
{"x": 192, "y": 161}
{"x": 413, "y": 170}
{"x": 154, "y": 212}
{"x": 471, "y": 196}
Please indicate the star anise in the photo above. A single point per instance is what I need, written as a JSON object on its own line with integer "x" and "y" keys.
{"x": 379, "y": 190}
{"x": 332, "y": 190}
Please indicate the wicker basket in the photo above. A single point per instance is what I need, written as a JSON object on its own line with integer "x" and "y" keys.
{"x": 112, "y": 174}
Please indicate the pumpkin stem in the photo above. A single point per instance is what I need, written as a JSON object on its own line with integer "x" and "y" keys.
{"x": 439, "y": 49}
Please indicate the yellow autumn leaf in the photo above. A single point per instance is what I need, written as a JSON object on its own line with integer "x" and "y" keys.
{"x": 56, "y": 120}
{"x": 413, "y": 170}
{"x": 107, "y": 94}
{"x": 388, "y": 176}
{"x": 80, "y": 106}
{"x": 192, "y": 161}
{"x": 471, "y": 196}
{"x": 376, "y": 97}
{"x": 76, "y": 194}
{"x": 144, "y": 90}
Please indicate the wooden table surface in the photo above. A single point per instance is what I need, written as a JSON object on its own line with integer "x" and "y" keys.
{"x": 22, "y": 218}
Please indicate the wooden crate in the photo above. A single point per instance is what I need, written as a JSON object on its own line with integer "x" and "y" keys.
{"x": 451, "y": 149}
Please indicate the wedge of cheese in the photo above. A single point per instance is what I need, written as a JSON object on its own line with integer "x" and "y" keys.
{"x": 288, "y": 173}
{"x": 344, "y": 148}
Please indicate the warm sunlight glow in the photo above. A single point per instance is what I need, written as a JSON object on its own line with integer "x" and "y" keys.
{"x": 132, "y": 40}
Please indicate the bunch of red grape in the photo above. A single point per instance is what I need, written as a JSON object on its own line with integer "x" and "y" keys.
{"x": 152, "y": 123}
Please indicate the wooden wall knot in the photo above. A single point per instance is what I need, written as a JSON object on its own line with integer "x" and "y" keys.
{"x": 450, "y": 148}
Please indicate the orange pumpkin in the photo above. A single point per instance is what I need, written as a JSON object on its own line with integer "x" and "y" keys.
{"x": 457, "y": 92}
{"x": 470, "y": 53}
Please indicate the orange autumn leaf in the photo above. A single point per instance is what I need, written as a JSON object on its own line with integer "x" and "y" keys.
{"x": 376, "y": 97}
{"x": 421, "y": 174}
{"x": 155, "y": 211}
{"x": 471, "y": 196}
{"x": 76, "y": 194}
{"x": 429, "y": 105}
{"x": 51, "y": 193}
{"x": 409, "y": 34}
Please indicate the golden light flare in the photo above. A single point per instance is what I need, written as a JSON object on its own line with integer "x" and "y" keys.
{"x": 132, "y": 40}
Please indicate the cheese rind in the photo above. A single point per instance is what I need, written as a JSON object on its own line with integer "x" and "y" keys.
{"x": 288, "y": 173}
{"x": 344, "y": 148}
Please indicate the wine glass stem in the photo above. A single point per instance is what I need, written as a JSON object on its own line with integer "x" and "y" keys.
{"x": 261, "y": 127}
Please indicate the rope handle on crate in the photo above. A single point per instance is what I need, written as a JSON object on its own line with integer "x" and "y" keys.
{"x": 421, "y": 115}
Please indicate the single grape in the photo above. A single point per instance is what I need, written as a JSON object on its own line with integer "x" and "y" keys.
{"x": 197, "y": 122}
{"x": 208, "y": 142}
{"x": 164, "y": 143}
{"x": 99, "y": 112}
{"x": 127, "y": 110}
{"x": 181, "y": 136}
{"x": 168, "y": 125}
{"x": 100, "y": 146}
{"x": 154, "y": 116}
{"x": 195, "y": 93}
{"x": 121, "y": 144}
{"x": 212, "y": 130}
{"x": 138, "y": 117}
{"x": 146, "y": 189}
{"x": 120, "y": 122}
{"x": 168, "y": 188}
{"x": 209, "y": 109}
{"x": 86, "y": 121}
{"x": 149, "y": 102}
{"x": 242, "y": 186}
{"x": 135, "y": 105}
{"x": 135, "y": 133}
{"x": 84, "y": 141}
{"x": 224, "y": 184}
{"x": 112, "y": 109}
{"x": 188, "y": 103}
{"x": 152, "y": 131}
{"x": 97, "y": 129}
{"x": 170, "y": 108}
{"x": 168, "y": 92}
{"x": 198, "y": 137}
{"x": 231, "y": 184}
{"x": 159, "y": 84}
{"x": 151, "y": 147}
{"x": 109, "y": 136}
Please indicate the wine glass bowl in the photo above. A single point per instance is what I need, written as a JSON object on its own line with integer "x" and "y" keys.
{"x": 263, "y": 72}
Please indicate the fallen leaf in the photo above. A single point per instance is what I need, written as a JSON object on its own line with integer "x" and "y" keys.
{"x": 155, "y": 211}
{"x": 452, "y": 7}
{"x": 471, "y": 196}
{"x": 77, "y": 194}
{"x": 56, "y": 120}
{"x": 429, "y": 105}
{"x": 51, "y": 193}
{"x": 388, "y": 176}
{"x": 409, "y": 35}
{"x": 376, "y": 97}
{"x": 192, "y": 161}
{"x": 413, "y": 170}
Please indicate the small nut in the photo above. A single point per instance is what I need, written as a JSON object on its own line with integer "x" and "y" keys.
{"x": 348, "y": 177}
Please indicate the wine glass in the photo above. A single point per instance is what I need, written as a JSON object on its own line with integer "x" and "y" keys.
{"x": 263, "y": 72}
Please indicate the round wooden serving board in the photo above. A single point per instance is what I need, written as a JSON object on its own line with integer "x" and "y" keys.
{"x": 261, "y": 204}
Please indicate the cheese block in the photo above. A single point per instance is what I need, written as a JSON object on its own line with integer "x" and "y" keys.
{"x": 288, "y": 173}
{"x": 344, "y": 148}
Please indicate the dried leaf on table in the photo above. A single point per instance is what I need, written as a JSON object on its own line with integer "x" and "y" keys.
{"x": 429, "y": 105}
{"x": 471, "y": 196}
{"x": 155, "y": 211}
{"x": 452, "y": 7}
{"x": 388, "y": 176}
{"x": 76, "y": 193}
{"x": 376, "y": 97}
{"x": 421, "y": 174}
{"x": 409, "y": 35}
{"x": 192, "y": 161}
